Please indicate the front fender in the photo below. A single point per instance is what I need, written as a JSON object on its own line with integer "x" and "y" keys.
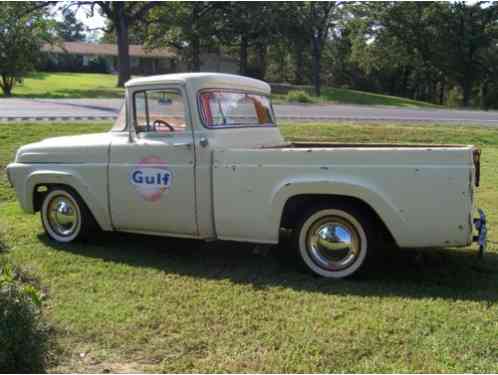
{"x": 72, "y": 179}
{"x": 354, "y": 188}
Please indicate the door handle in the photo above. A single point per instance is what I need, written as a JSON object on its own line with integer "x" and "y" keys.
{"x": 186, "y": 144}
{"x": 203, "y": 141}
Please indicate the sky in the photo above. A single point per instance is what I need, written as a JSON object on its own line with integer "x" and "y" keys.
{"x": 92, "y": 22}
{"x": 95, "y": 22}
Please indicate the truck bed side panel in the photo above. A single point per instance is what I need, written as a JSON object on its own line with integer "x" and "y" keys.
{"x": 422, "y": 194}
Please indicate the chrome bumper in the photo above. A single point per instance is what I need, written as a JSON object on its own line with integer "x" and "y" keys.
{"x": 482, "y": 230}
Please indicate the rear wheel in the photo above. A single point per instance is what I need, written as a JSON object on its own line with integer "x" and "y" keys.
{"x": 65, "y": 216}
{"x": 334, "y": 241}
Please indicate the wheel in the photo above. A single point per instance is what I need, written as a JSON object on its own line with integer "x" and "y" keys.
{"x": 334, "y": 241}
{"x": 64, "y": 215}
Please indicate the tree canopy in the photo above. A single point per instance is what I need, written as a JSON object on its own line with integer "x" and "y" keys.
{"x": 440, "y": 52}
{"x": 24, "y": 27}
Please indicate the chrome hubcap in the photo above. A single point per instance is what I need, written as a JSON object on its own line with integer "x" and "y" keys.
{"x": 62, "y": 216}
{"x": 333, "y": 243}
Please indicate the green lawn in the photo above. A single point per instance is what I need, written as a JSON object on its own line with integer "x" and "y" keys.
{"x": 136, "y": 303}
{"x": 346, "y": 96}
{"x": 69, "y": 85}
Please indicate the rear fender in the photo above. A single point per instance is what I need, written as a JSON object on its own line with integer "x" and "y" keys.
{"x": 369, "y": 194}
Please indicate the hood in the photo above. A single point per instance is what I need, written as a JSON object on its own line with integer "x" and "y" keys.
{"x": 88, "y": 148}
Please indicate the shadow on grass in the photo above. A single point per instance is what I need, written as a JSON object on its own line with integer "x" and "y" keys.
{"x": 448, "y": 273}
{"x": 38, "y": 75}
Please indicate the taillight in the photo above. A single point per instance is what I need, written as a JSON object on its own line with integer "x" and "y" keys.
{"x": 476, "y": 154}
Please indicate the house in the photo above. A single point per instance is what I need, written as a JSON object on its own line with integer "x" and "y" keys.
{"x": 93, "y": 57}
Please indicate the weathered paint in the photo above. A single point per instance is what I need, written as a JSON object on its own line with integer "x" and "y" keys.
{"x": 236, "y": 186}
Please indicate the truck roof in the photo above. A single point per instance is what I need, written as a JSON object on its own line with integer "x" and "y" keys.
{"x": 200, "y": 81}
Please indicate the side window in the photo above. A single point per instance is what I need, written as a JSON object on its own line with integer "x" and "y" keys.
{"x": 160, "y": 111}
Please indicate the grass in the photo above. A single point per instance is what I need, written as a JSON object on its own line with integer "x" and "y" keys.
{"x": 346, "y": 96}
{"x": 133, "y": 303}
{"x": 68, "y": 85}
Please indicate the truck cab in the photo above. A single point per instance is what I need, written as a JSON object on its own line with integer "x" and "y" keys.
{"x": 169, "y": 130}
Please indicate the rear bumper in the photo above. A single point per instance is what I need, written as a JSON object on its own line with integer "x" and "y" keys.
{"x": 480, "y": 225}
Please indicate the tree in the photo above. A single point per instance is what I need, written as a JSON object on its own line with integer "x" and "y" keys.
{"x": 70, "y": 29}
{"x": 122, "y": 16}
{"x": 434, "y": 43}
{"x": 249, "y": 24}
{"x": 312, "y": 22}
{"x": 291, "y": 37}
{"x": 469, "y": 31}
{"x": 23, "y": 30}
{"x": 184, "y": 26}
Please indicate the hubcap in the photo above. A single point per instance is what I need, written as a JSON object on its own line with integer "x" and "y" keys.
{"x": 62, "y": 216}
{"x": 333, "y": 243}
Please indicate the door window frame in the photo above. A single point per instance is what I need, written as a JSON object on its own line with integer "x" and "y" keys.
{"x": 179, "y": 90}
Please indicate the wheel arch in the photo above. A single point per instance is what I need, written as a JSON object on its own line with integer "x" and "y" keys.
{"x": 293, "y": 197}
{"x": 34, "y": 195}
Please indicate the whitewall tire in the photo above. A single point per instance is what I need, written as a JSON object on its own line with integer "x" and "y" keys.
{"x": 65, "y": 216}
{"x": 335, "y": 241}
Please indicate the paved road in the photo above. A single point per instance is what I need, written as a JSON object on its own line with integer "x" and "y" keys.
{"x": 106, "y": 109}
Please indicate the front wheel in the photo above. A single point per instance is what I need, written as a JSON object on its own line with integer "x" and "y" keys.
{"x": 65, "y": 216}
{"x": 334, "y": 241}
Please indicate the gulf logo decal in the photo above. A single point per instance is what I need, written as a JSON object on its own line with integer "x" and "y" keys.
{"x": 151, "y": 178}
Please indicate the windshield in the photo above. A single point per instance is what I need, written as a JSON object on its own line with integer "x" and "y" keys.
{"x": 120, "y": 123}
{"x": 221, "y": 108}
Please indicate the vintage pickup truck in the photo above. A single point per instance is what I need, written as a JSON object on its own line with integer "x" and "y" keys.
{"x": 199, "y": 155}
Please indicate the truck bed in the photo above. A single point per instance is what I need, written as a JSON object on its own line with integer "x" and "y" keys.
{"x": 411, "y": 187}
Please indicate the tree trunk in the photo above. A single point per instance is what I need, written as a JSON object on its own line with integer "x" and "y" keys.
{"x": 392, "y": 84}
{"x": 123, "y": 46}
{"x": 196, "y": 43}
{"x": 244, "y": 43}
{"x": 282, "y": 68}
{"x": 484, "y": 93}
{"x": 299, "y": 73}
{"x": 316, "y": 57}
{"x": 196, "y": 52}
{"x": 467, "y": 92}
{"x": 441, "y": 91}
{"x": 404, "y": 82}
{"x": 7, "y": 84}
{"x": 261, "y": 55}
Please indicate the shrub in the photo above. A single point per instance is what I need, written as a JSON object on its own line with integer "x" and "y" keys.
{"x": 23, "y": 335}
{"x": 299, "y": 96}
{"x": 455, "y": 98}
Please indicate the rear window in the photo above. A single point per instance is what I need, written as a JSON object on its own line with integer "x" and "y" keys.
{"x": 231, "y": 109}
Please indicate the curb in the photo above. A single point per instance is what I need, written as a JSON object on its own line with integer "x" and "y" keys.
{"x": 56, "y": 118}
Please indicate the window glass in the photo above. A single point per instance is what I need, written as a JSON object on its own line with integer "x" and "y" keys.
{"x": 159, "y": 111}
{"x": 120, "y": 123}
{"x": 224, "y": 108}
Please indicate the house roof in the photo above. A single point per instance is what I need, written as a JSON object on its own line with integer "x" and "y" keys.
{"x": 106, "y": 49}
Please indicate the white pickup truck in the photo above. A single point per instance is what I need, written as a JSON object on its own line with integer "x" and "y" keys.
{"x": 200, "y": 156}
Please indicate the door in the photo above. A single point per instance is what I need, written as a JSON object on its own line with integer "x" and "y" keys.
{"x": 151, "y": 177}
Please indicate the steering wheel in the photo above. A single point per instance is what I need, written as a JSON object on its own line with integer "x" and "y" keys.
{"x": 157, "y": 123}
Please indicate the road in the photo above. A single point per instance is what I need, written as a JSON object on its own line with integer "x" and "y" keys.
{"x": 106, "y": 109}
